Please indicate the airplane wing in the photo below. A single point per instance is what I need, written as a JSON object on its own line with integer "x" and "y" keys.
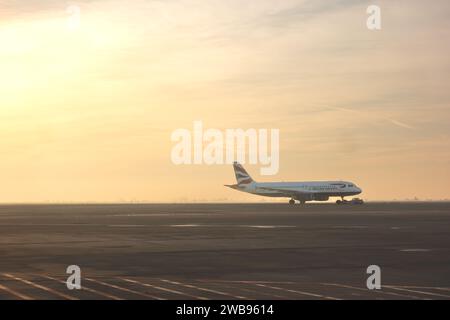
{"x": 287, "y": 191}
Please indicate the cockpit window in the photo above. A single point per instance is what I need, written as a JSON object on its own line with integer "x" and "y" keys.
{"x": 350, "y": 185}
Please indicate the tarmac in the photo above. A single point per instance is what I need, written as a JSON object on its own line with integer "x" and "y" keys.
{"x": 225, "y": 251}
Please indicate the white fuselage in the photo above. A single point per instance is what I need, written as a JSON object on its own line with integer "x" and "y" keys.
{"x": 302, "y": 191}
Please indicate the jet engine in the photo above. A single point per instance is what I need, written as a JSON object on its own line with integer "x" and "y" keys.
{"x": 319, "y": 197}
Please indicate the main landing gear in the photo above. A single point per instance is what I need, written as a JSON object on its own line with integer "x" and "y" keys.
{"x": 353, "y": 201}
{"x": 292, "y": 202}
{"x": 342, "y": 201}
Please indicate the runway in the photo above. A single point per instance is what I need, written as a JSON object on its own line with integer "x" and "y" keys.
{"x": 225, "y": 251}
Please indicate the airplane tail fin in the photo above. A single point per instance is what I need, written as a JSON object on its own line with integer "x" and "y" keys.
{"x": 242, "y": 177}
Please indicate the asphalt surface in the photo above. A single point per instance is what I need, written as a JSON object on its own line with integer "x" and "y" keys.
{"x": 225, "y": 251}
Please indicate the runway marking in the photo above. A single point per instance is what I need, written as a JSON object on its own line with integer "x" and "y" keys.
{"x": 204, "y": 289}
{"x": 299, "y": 292}
{"x": 247, "y": 281}
{"x": 51, "y": 225}
{"x": 103, "y": 294}
{"x": 421, "y": 292}
{"x": 127, "y": 225}
{"x": 257, "y": 292}
{"x": 266, "y": 226}
{"x": 36, "y": 285}
{"x": 187, "y": 225}
{"x": 416, "y": 287}
{"x": 398, "y": 228}
{"x": 187, "y": 214}
{"x": 350, "y": 227}
{"x": 163, "y": 289}
{"x": 190, "y": 225}
{"x": 15, "y": 293}
{"x": 366, "y": 290}
{"x": 124, "y": 289}
{"x": 415, "y": 250}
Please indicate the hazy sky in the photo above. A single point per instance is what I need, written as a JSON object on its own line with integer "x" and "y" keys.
{"x": 87, "y": 111}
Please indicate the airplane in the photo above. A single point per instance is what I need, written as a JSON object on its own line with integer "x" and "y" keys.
{"x": 301, "y": 191}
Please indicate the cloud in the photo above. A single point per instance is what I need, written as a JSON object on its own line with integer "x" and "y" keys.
{"x": 400, "y": 124}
